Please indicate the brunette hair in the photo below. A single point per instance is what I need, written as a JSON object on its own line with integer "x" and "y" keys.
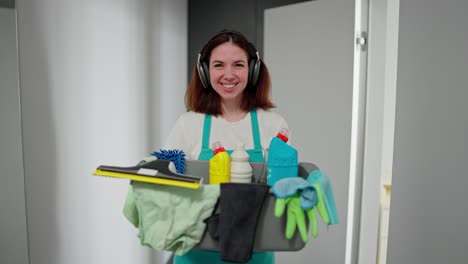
{"x": 205, "y": 100}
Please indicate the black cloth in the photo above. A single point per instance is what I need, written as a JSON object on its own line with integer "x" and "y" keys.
{"x": 240, "y": 206}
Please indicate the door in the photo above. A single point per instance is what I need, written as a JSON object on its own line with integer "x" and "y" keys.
{"x": 429, "y": 206}
{"x": 309, "y": 50}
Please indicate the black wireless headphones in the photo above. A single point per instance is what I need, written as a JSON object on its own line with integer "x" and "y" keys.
{"x": 254, "y": 63}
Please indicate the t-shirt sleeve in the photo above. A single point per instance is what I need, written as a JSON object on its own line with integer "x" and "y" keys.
{"x": 177, "y": 138}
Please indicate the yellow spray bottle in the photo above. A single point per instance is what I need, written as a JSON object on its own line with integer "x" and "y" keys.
{"x": 220, "y": 165}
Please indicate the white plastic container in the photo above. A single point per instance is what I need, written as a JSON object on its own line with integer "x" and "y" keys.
{"x": 241, "y": 170}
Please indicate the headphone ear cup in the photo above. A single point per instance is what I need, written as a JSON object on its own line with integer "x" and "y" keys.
{"x": 204, "y": 74}
{"x": 254, "y": 72}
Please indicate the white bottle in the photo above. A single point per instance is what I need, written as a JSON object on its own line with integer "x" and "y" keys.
{"x": 241, "y": 170}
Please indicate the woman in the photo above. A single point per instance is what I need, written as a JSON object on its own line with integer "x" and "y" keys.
{"x": 228, "y": 100}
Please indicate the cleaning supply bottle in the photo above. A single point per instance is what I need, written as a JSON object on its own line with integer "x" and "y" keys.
{"x": 282, "y": 159}
{"x": 220, "y": 165}
{"x": 241, "y": 170}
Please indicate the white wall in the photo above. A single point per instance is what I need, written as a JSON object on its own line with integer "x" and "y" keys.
{"x": 13, "y": 236}
{"x": 94, "y": 77}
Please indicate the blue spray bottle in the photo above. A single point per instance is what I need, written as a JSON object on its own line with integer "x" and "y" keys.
{"x": 282, "y": 159}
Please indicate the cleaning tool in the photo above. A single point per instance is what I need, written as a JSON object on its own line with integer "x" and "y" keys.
{"x": 240, "y": 206}
{"x": 295, "y": 217}
{"x": 156, "y": 171}
{"x": 171, "y": 218}
{"x": 220, "y": 165}
{"x": 177, "y": 157}
{"x": 282, "y": 159}
{"x": 241, "y": 170}
{"x": 288, "y": 187}
{"x": 326, "y": 200}
{"x": 310, "y": 196}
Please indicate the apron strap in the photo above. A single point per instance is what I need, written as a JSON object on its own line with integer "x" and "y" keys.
{"x": 255, "y": 129}
{"x": 206, "y": 132}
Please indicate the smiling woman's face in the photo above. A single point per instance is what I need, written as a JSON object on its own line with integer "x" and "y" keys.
{"x": 229, "y": 71}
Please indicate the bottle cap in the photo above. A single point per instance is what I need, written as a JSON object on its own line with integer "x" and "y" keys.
{"x": 217, "y": 147}
{"x": 283, "y": 134}
{"x": 239, "y": 153}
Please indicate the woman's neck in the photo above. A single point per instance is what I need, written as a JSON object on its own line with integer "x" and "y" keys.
{"x": 232, "y": 112}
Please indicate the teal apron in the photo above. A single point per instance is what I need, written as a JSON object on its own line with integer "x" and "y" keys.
{"x": 195, "y": 256}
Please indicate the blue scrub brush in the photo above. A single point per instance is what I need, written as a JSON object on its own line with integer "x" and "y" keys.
{"x": 176, "y": 156}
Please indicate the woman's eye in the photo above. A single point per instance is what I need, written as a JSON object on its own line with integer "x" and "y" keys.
{"x": 217, "y": 65}
{"x": 240, "y": 65}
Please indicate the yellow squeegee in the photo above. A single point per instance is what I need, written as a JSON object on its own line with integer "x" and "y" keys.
{"x": 156, "y": 172}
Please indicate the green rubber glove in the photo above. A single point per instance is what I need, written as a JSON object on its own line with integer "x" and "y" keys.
{"x": 295, "y": 216}
{"x": 313, "y": 221}
{"x": 322, "y": 210}
{"x": 320, "y": 207}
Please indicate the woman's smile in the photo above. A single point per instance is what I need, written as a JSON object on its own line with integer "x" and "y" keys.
{"x": 228, "y": 85}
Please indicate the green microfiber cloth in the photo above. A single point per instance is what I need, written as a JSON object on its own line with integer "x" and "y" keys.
{"x": 178, "y": 159}
{"x": 171, "y": 218}
{"x": 322, "y": 184}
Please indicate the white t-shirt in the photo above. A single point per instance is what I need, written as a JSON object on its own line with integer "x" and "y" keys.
{"x": 187, "y": 133}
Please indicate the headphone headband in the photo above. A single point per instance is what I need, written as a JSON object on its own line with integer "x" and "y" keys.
{"x": 227, "y": 32}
